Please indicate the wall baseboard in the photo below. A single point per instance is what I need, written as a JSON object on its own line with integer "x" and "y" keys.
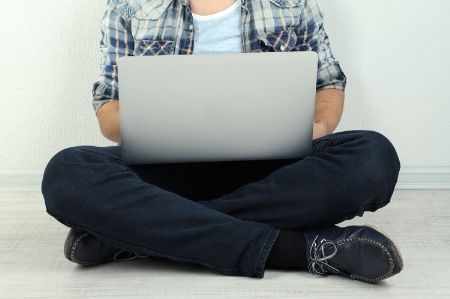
{"x": 410, "y": 178}
{"x": 424, "y": 178}
{"x": 12, "y": 180}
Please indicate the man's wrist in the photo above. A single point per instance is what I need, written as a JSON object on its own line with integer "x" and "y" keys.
{"x": 320, "y": 129}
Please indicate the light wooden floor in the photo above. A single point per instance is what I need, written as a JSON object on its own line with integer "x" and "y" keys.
{"x": 32, "y": 264}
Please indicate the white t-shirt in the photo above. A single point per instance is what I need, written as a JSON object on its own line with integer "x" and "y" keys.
{"x": 219, "y": 32}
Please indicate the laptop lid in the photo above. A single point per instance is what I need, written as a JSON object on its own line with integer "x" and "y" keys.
{"x": 216, "y": 107}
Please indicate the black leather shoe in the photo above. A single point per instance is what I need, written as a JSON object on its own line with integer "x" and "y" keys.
{"x": 357, "y": 252}
{"x": 84, "y": 249}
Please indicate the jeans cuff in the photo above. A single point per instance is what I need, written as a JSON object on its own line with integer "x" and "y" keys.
{"x": 261, "y": 262}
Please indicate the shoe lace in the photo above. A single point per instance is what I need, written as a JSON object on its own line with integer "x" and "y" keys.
{"x": 319, "y": 259}
{"x": 124, "y": 255}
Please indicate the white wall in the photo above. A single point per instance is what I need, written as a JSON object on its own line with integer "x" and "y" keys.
{"x": 48, "y": 63}
{"x": 395, "y": 55}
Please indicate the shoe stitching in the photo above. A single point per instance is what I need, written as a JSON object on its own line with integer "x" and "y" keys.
{"x": 131, "y": 255}
{"x": 319, "y": 261}
{"x": 371, "y": 242}
{"x": 74, "y": 247}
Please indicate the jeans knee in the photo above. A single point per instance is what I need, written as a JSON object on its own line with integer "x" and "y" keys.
{"x": 72, "y": 172}
{"x": 60, "y": 178}
{"x": 58, "y": 166}
{"x": 54, "y": 174}
{"x": 383, "y": 161}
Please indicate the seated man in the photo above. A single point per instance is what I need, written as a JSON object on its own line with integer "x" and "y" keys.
{"x": 237, "y": 218}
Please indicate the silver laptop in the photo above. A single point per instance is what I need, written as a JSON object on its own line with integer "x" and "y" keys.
{"x": 224, "y": 107}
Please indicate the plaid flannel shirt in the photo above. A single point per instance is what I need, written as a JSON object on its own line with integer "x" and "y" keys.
{"x": 165, "y": 27}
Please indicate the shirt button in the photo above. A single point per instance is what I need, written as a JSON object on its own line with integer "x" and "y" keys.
{"x": 191, "y": 27}
{"x": 283, "y": 48}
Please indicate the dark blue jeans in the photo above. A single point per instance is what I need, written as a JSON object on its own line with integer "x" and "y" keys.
{"x": 227, "y": 215}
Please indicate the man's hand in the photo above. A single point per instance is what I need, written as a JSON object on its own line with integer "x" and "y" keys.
{"x": 328, "y": 112}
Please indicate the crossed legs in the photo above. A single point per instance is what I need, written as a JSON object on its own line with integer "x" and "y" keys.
{"x": 225, "y": 216}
